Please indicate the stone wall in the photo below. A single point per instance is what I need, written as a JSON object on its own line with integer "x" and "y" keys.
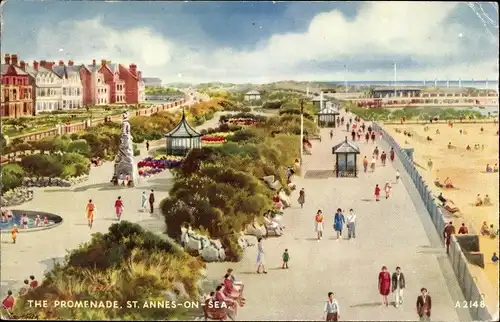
{"x": 23, "y": 194}
{"x": 53, "y": 182}
{"x": 210, "y": 250}
{"x": 471, "y": 291}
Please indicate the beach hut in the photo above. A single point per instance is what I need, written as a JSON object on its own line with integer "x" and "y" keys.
{"x": 182, "y": 138}
{"x": 327, "y": 115}
{"x": 346, "y": 155}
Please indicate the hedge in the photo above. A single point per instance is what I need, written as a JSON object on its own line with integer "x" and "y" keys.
{"x": 219, "y": 189}
{"x": 12, "y": 176}
{"x": 127, "y": 263}
{"x": 57, "y": 165}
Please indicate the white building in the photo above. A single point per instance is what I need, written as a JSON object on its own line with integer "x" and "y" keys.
{"x": 152, "y": 82}
{"x": 72, "y": 89}
{"x": 252, "y": 96}
{"x": 47, "y": 87}
{"x": 141, "y": 90}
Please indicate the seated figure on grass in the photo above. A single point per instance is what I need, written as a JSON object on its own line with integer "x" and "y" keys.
{"x": 487, "y": 201}
{"x": 485, "y": 231}
{"x": 479, "y": 200}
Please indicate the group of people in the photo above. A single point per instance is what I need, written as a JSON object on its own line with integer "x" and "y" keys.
{"x": 486, "y": 201}
{"x": 121, "y": 180}
{"x": 90, "y": 209}
{"x": 339, "y": 220}
{"x": 226, "y": 298}
{"x": 9, "y": 301}
{"x": 488, "y": 230}
{"x": 490, "y": 169}
{"x": 376, "y": 156}
{"x": 387, "y": 190}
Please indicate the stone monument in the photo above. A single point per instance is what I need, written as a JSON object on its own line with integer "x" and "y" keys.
{"x": 124, "y": 160}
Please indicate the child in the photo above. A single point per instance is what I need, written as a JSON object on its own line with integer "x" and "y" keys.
{"x": 286, "y": 258}
{"x": 494, "y": 258}
{"x": 45, "y": 221}
{"x": 14, "y": 232}
{"x": 397, "y": 175}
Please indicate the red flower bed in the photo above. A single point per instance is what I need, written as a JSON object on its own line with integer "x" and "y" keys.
{"x": 213, "y": 139}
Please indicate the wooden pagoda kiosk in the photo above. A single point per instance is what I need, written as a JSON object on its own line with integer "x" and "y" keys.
{"x": 182, "y": 138}
{"x": 327, "y": 115}
{"x": 346, "y": 155}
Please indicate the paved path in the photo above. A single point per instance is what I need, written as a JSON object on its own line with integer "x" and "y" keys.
{"x": 391, "y": 233}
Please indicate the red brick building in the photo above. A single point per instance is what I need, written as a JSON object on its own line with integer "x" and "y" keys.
{"x": 125, "y": 84}
{"x": 16, "y": 92}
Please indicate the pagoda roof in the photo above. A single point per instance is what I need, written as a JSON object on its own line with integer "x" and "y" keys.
{"x": 252, "y": 92}
{"x": 182, "y": 130}
{"x": 345, "y": 147}
{"x": 330, "y": 109}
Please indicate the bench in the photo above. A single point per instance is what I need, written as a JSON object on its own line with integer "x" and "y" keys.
{"x": 213, "y": 312}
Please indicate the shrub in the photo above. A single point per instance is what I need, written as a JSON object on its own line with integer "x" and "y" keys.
{"x": 12, "y": 176}
{"x": 125, "y": 264}
{"x": 136, "y": 150}
{"x": 42, "y": 165}
{"x": 74, "y": 136}
{"x": 79, "y": 146}
{"x": 74, "y": 165}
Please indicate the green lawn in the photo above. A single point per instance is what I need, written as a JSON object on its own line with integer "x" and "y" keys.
{"x": 46, "y": 121}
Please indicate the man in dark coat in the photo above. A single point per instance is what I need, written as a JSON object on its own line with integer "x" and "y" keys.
{"x": 151, "y": 201}
{"x": 424, "y": 305}
{"x": 398, "y": 285}
{"x": 448, "y": 230}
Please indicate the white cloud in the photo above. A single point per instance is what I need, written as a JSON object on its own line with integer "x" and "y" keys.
{"x": 380, "y": 32}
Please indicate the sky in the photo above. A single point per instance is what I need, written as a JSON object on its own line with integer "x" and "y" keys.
{"x": 262, "y": 41}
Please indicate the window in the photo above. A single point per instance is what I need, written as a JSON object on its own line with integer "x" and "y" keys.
{"x": 25, "y": 108}
{"x": 14, "y": 94}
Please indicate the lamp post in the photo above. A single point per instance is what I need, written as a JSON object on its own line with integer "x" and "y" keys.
{"x": 301, "y": 132}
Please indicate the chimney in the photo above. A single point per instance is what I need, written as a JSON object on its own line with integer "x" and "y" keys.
{"x": 133, "y": 69}
{"x": 61, "y": 63}
{"x": 7, "y": 59}
{"x": 93, "y": 62}
{"x": 35, "y": 65}
{"x": 103, "y": 62}
{"x": 22, "y": 65}
{"x": 13, "y": 60}
{"x": 70, "y": 63}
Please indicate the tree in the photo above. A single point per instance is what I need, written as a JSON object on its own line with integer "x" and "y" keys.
{"x": 12, "y": 176}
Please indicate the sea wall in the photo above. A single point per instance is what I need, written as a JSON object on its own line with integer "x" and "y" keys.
{"x": 471, "y": 291}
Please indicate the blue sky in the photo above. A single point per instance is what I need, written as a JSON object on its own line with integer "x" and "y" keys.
{"x": 262, "y": 41}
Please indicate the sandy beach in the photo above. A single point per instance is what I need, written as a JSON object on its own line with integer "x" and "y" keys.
{"x": 466, "y": 169}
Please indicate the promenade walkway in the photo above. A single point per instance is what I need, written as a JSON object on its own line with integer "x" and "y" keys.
{"x": 391, "y": 232}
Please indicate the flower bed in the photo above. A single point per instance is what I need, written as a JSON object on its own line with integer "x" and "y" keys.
{"x": 215, "y": 138}
{"x": 150, "y": 166}
{"x": 243, "y": 121}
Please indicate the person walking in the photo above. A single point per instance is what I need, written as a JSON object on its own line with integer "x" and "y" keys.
{"x": 377, "y": 193}
{"x": 151, "y": 201}
{"x": 286, "y": 258}
{"x": 375, "y": 152}
{"x": 387, "y": 189}
{"x": 260, "y": 257}
{"x": 398, "y": 175}
{"x": 14, "y": 233}
{"x": 338, "y": 223}
{"x": 318, "y": 224}
{"x": 384, "y": 285}
{"x": 90, "y": 213}
{"x": 302, "y": 198}
{"x": 424, "y": 305}
{"x": 448, "y": 230}
{"x": 331, "y": 309}
{"x": 430, "y": 164}
{"x": 367, "y": 137}
{"x": 398, "y": 285}
{"x": 144, "y": 201}
{"x": 383, "y": 158}
{"x": 331, "y": 134}
{"x": 353, "y": 135}
{"x": 351, "y": 224}
{"x": 347, "y": 126}
{"x": 147, "y": 145}
{"x": 118, "y": 208}
{"x": 373, "y": 137}
{"x": 365, "y": 164}
{"x": 391, "y": 154}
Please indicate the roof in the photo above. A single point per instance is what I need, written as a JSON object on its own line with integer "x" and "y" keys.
{"x": 59, "y": 70}
{"x": 318, "y": 99}
{"x": 33, "y": 72}
{"x": 93, "y": 68}
{"x": 345, "y": 147}
{"x": 113, "y": 67}
{"x": 253, "y": 92}
{"x": 391, "y": 88}
{"x": 182, "y": 130}
{"x": 19, "y": 71}
{"x": 330, "y": 109}
{"x": 151, "y": 80}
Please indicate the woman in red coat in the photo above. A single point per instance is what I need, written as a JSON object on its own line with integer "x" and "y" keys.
{"x": 377, "y": 193}
{"x": 384, "y": 284}
{"x": 391, "y": 154}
